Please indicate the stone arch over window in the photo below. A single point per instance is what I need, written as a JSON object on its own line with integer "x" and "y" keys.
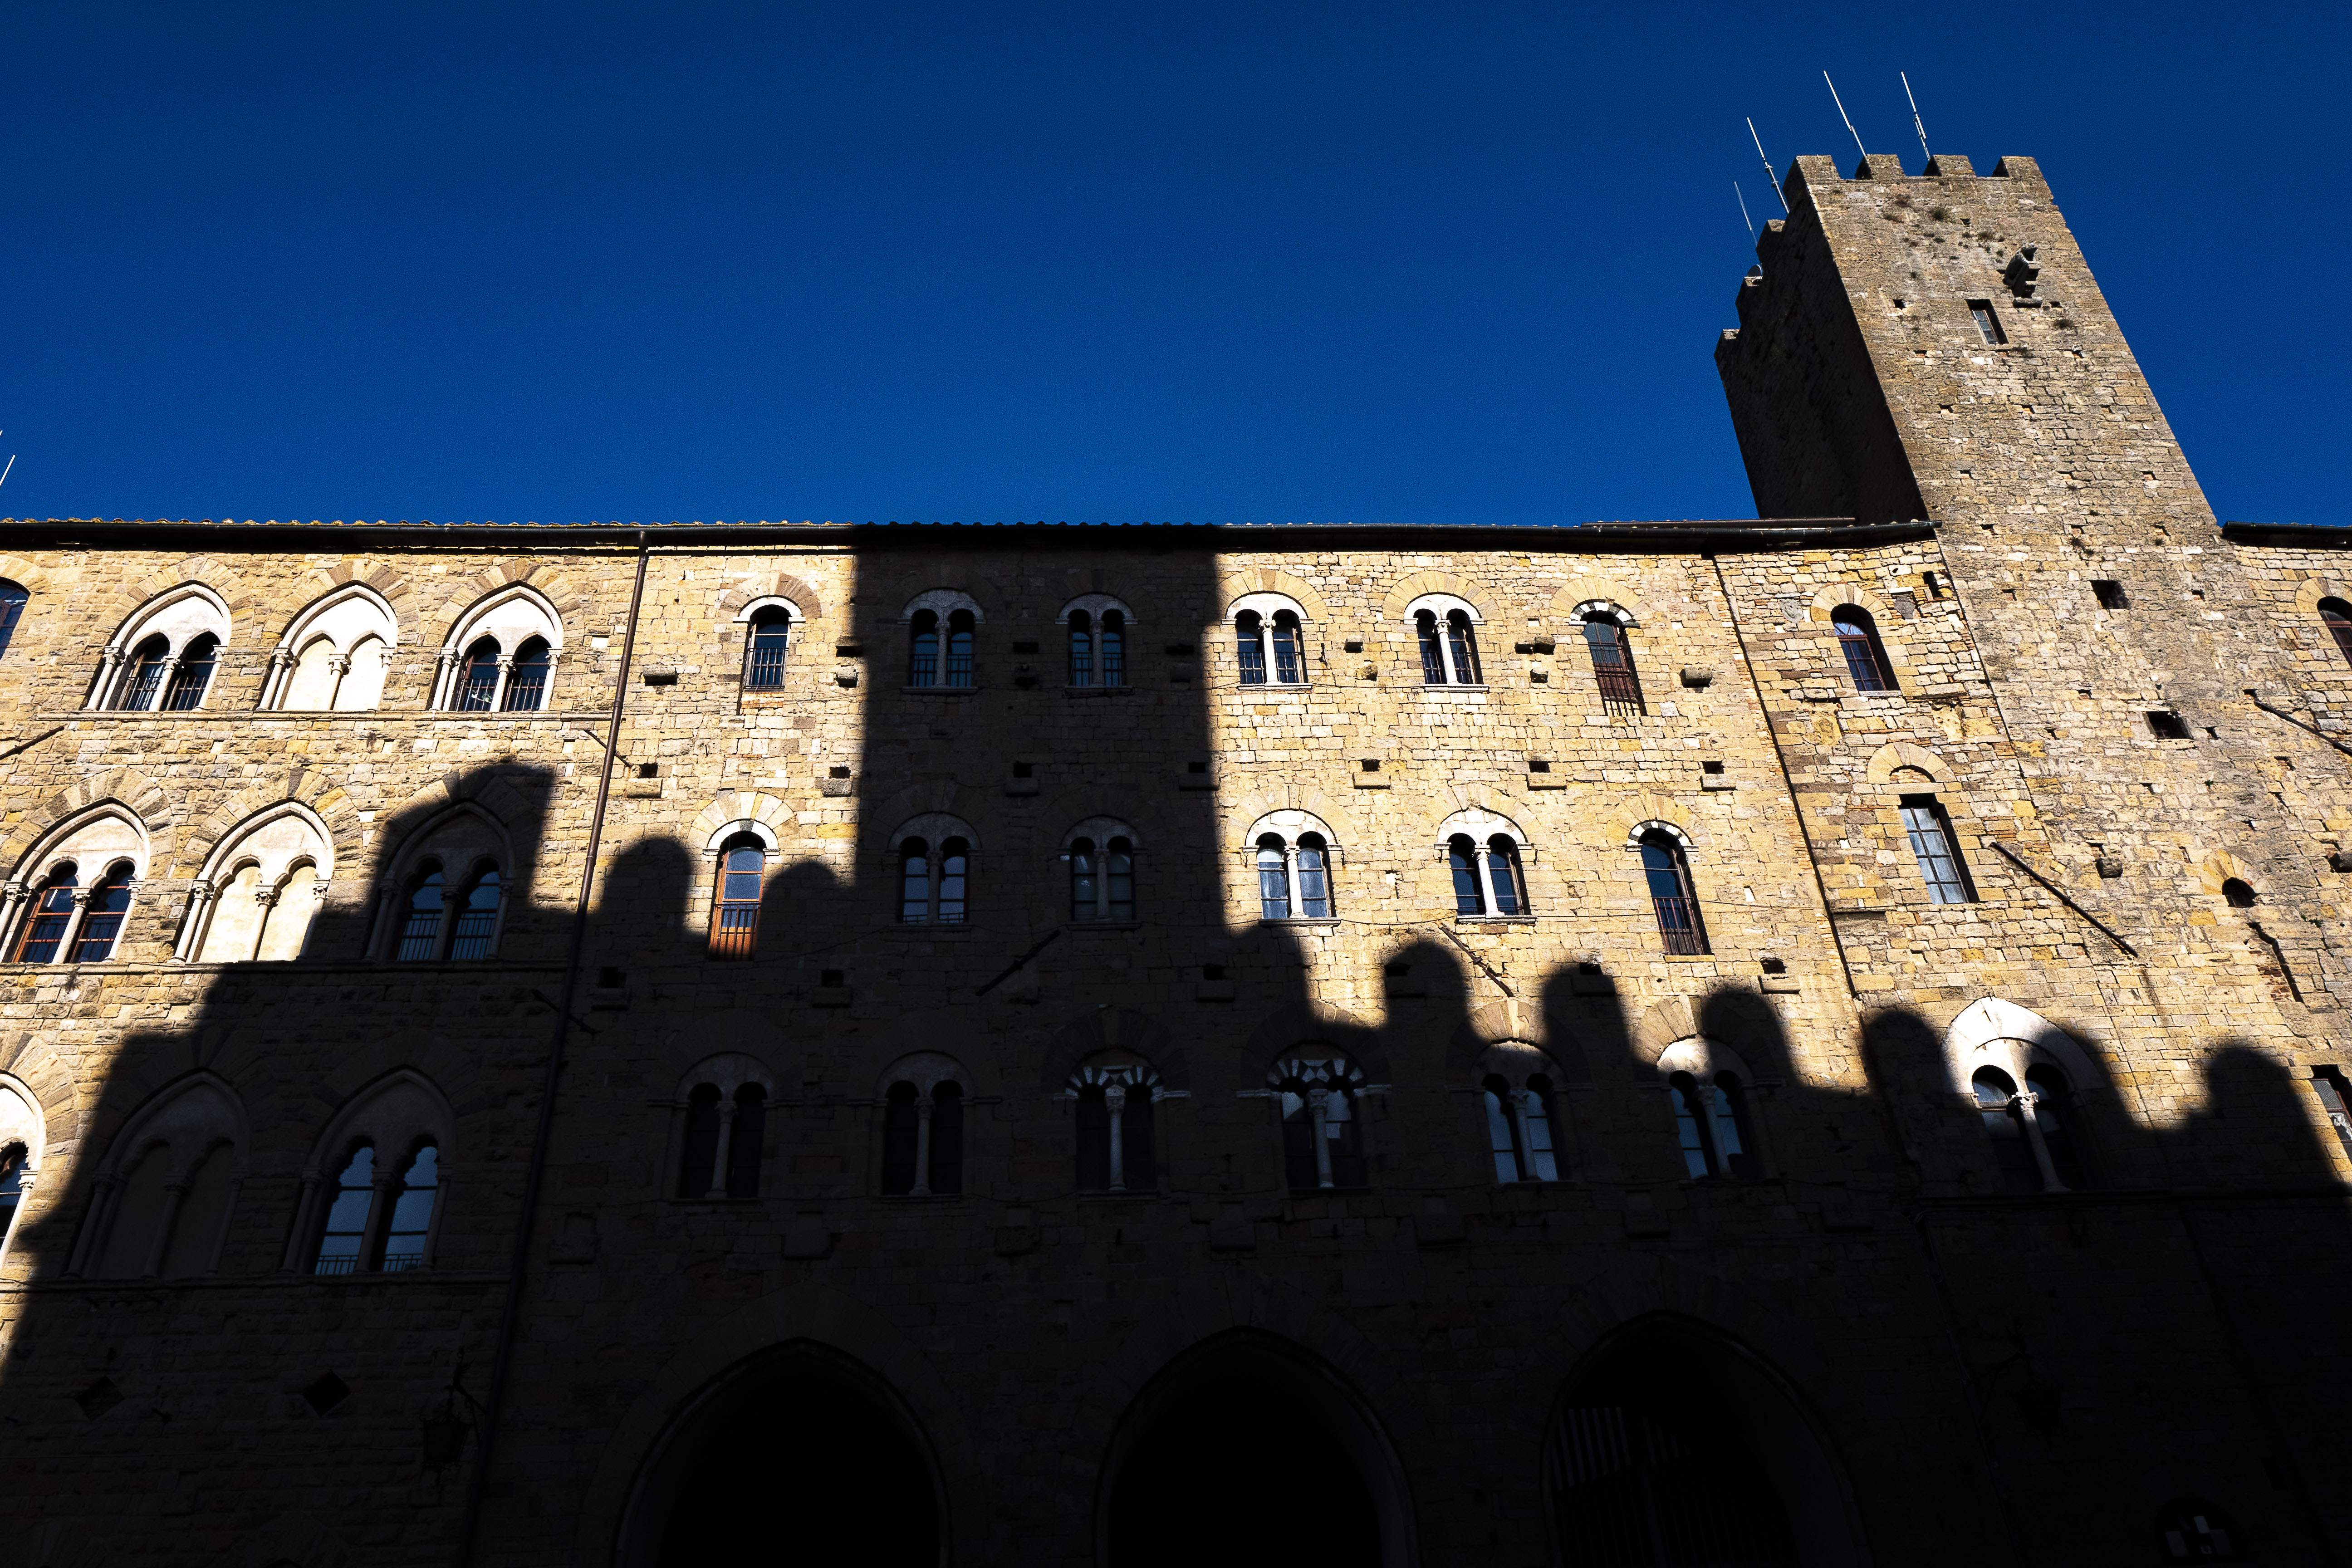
{"x": 1098, "y": 631}
{"x": 1709, "y": 1091}
{"x": 165, "y": 1193}
{"x": 448, "y": 891}
{"x": 333, "y": 655}
{"x": 1486, "y": 856}
{"x": 1269, "y": 633}
{"x": 923, "y": 1097}
{"x": 1585, "y": 595}
{"x": 260, "y": 889}
{"x": 2217, "y": 871}
{"x": 1888, "y": 762}
{"x": 723, "y": 1104}
{"x": 74, "y": 893}
{"x": 164, "y": 655}
{"x": 1101, "y": 854}
{"x": 1518, "y": 1086}
{"x": 1116, "y": 1093}
{"x": 501, "y": 654}
{"x": 23, "y": 1144}
{"x": 931, "y": 856}
{"x": 2031, "y": 1084}
{"x": 378, "y": 1182}
{"x": 1293, "y": 853}
{"x": 1320, "y": 1092}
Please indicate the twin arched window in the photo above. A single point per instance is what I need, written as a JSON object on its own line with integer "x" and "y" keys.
{"x": 934, "y": 883}
{"x": 1270, "y": 648}
{"x": 1487, "y": 878}
{"x": 724, "y": 1134}
{"x": 1711, "y": 1122}
{"x": 452, "y": 919}
{"x": 1449, "y": 648}
{"x": 380, "y": 1220}
{"x": 489, "y": 682}
{"x": 1517, "y": 1093}
{"x": 1097, "y": 648}
{"x": 1322, "y": 1121}
{"x": 928, "y": 640}
{"x": 1115, "y": 1144}
{"x": 1671, "y": 897}
{"x": 1612, "y": 666}
{"x": 1294, "y": 877}
{"x": 2035, "y": 1144}
{"x": 157, "y": 677}
{"x": 1865, "y": 656}
{"x": 165, "y": 1193}
{"x": 922, "y": 1139}
{"x": 68, "y": 924}
{"x": 735, "y": 901}
{"x": 333, "y": 656}
{"x": 1102, "y": 879}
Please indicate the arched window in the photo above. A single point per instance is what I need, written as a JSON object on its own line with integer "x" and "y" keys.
{"x": 1294, "y": 877}
{"x": 1449, "y": 648}
{"x": 1102, "y": 880}
{"x": 1672, "y": 898}
{"x": 1933, "y": 847}
{"x": 411, "y": 1221}
{"x": 52, "y": 913}
{"x": 1462, "y": 860}
{"x": 332, "y": 656}
{"x": 259, "y": 889}
{"x": 922, "y": 1137}
{"x": 1111, "y": 645}
{"x": 934, "y": 885}
{"x": 1322, "y": 1121}
{"x": 2334, "y": 614}
{"x": 2054, "y": 1114}
{"x": 1082, "y": 648}
{"x": 763, "y": 655}
{"x": 1612, "y": 666}
{"x": 192, "y": 675}
{"x": 1865, "y": 657}
{"x": 2036, "y": 1136}
{"x": 478, "y": 683}
{"x": 1487, "y": 877}
{"x": 2239, "y": 892}
{"x": 151, "y": 661}
{"x": 1115, "y": 1148}
{"x": 420, "y": 928}
{"x": 923, "y": 648}
{"x": 959, "y": 637}
{"x": 1519, "y": 1128}
{"x": 13, "y": 599}
{"x": 1711, "y": 1124}
{"x": 735, "y": 908}
{"x": 475, "y": 932}
{"x": 377, "y": 1187}
{"x": 343, "y": 1243}
{"x": 164, "y": 1193}
{"x": 1269, "y": 641}
{"x": 725, "y": 1135}
{"x": 1098, "y": 648}
{"x": 2005, "y": 1126}
{"x": 1432, "y": 649}
{"x": 102, "y": 916}
{"x": 14, "y": 1168}
{"x": 526, "y": 690}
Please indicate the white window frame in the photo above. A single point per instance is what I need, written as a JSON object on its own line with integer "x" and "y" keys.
{"x": 1442, "y": 606}
{"x": 1267, "y": 605}
{"x": 200, "y": 610}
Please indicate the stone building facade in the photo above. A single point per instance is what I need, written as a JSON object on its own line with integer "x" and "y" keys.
{"x": 1815, "y": 1040}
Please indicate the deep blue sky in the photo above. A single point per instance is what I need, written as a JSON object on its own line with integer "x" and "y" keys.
{"x": 1192, "y": 261}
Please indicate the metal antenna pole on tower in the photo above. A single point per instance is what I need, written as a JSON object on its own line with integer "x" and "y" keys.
{"x": 1767, "y": 165}
{"x": 1847, "y": 118}
{"x": 1916, "y": 124}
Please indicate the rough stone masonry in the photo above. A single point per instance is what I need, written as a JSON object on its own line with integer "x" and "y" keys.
{"x": 1819, "y": 1039}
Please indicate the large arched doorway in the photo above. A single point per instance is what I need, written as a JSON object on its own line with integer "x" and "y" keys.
{"x": 1248, "y": 1450}
{"x": 799, "y": 1456}
{"x": 1675, "y": 1447}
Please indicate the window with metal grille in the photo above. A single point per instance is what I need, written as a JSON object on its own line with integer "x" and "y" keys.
{"x": 526, "y": 690}
{"x": 2336, "y": 616}
{"x": 52, "y": 911}
{"x": 1449, "y": 648}
{"x": 1432, "y": 649}
{"x": 103, "y": 917}
{"x": 420, "y": 925}
{"x": 190, "y": 674}
{"x": 1612, "y": 667}
{"x": 1272, "y": 878}
{"x": 1987, "y": 323}
{"x": 478, "y": 680}
{"x": 1462, "y": 862}
{"x": 1249, "y": 646}
{"x": 475, "y": 932}
{"x": 1097, "y": 648}
{"x": 934, "y": 883}
{"x": 1285, "y": 638}
{"x": 923, "y": 649}
{"x": 151, "y": 661}
{"x": 1932, "y": 845}
{"x": 1082, "y": 648}
{"x": 763, "y": 659}
{"x": 13, "y": 600}
{"x": 959, "y": 638}
{"x": 411, "y": 1221}
{"x": 735, "y": 912}
{"x": 1671, "y": 897}
{"x": 342, "y": 1240}
{"x": 1865, "y": 657}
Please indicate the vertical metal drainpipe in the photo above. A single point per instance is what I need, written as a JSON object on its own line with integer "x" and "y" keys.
{"x": 510, "y": 1314}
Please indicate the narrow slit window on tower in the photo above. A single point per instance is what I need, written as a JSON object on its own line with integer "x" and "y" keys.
{"x": 1865, "y": 656}
{"x": 1987, "y": 323}
{"x": 1932, "y": 845}
{"x": 1673, "y": 900}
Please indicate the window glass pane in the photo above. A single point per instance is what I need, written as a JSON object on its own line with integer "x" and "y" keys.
{"x": 526, "y": 682}
{"x": 1114, "y": 650}
{"x": 952, "y": 865}
{"x": 743, "y": 868}
{"x": 148, "y": 664}
{"x": 1249, "y": 646}
{"x": 1463, "y": 860}
{"x": 1932, "y": 847}
{"x": 914, "y": 881}
{"x": 1541, "y": 1162}
{"x": 346, "y": 1227}
{"x": 420, "y": 927}
{"x": 102, "y": 922}
{"x": 1612, "y": 664}
{"x": 47, "y": 928}
{"x": 1859, "y": 641}
{"x": 1728, "y": 1146}
{"x": 701, "y": 1151}
{"x": 1083, "y": 884}
{"x": 478, "y": 681}
{"x": 1118, "y": 881}
{"x": 412, "y": 1213}
{"x": 1273, "y": 881}
{"x": 1463, "y": 644}
{"x": 193, "y": 674}
{"x": 1286, "y": 648}
{"x": 1686, "y": 1131}
{"x": 1314, "y": 882}
{"x": 770, "y": 636}
{"x": 1503, "y": 866}
{"x": 478, "y": 918}
{"x": 12, "y": 609}
{"x": 1094, "y": 1140}
{"x": 958, "y": 649}
{"x": 923, "y": 652}
{"x": 1500, "y": 1137}
{"x": 2012, "y": 1157}
{"x": 1432, "y": 657}
{"x": 1082, "y": 650}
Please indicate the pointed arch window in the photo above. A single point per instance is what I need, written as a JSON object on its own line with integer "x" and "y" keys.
{"x": 13, "y": 600}
{"x": 526, "y": 690}
{"x": 411, "y": 1221}
{"x": 1612, "y": 667}
{"x": 922, "y": 1140}
{"x": 108, "y": 904}
{"x": 52, "y": 913}
{"x": 1519, "y": 1128}
{"x": 763, "y": 659}
{"x": 735, "y": 912}
{"x": 477, "y": 682}
{"x": 420, "y": 927}
{"x": 1865, "y": 656}
{"x": 2036, "y": 1135}
{"x": 2334, "y": 614}
{"x": 343, "y": 1241}
{"x": 192, "y": 674}
{"x": 1102, "y": 880}
{"x": 1711, "y": 1125}
{"x": 151, "y": 663}
{"x": 1672, "y": 898}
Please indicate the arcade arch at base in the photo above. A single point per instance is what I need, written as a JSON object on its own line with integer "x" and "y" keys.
{"x": 799, "y": 1454}
{"x": 1247, "y": 1448}
{"x": 1673, "y": 1444}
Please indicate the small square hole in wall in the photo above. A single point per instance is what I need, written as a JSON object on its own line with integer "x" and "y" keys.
{"x": 611, "y": 979}
{"x": 1196, "y": 767}
{"x": 661, "y": 677}
{"x": 1213, "y": 971}
{"x": 848, "y": 649}
{"x": 2197, "y": 594}
{"x": 649, "y": 770}
{"x": 1773, "y": 966}
{"x": 1711, "y": 767}
{"x": 1935, "y": 584}
{"x": 1176, "y": 650}
{"x": 1396, "y": 971}
{"x": 837, "y": 772}
{"x": 1024, "y": 647}
{"x": 1024, "y": 770}
{"x": 1538, "y": 765}
{"x": 1354, "y": 644}
{"x": 2166, "y": 725}
{"x": 1370, "y": 764}
{"x": 2212, "y": 731}
{"x": 832, "y": 977}
{"x": 2111, "y": 594}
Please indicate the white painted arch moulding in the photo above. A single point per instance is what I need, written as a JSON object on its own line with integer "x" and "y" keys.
{"x": 1991, "y": 1032}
